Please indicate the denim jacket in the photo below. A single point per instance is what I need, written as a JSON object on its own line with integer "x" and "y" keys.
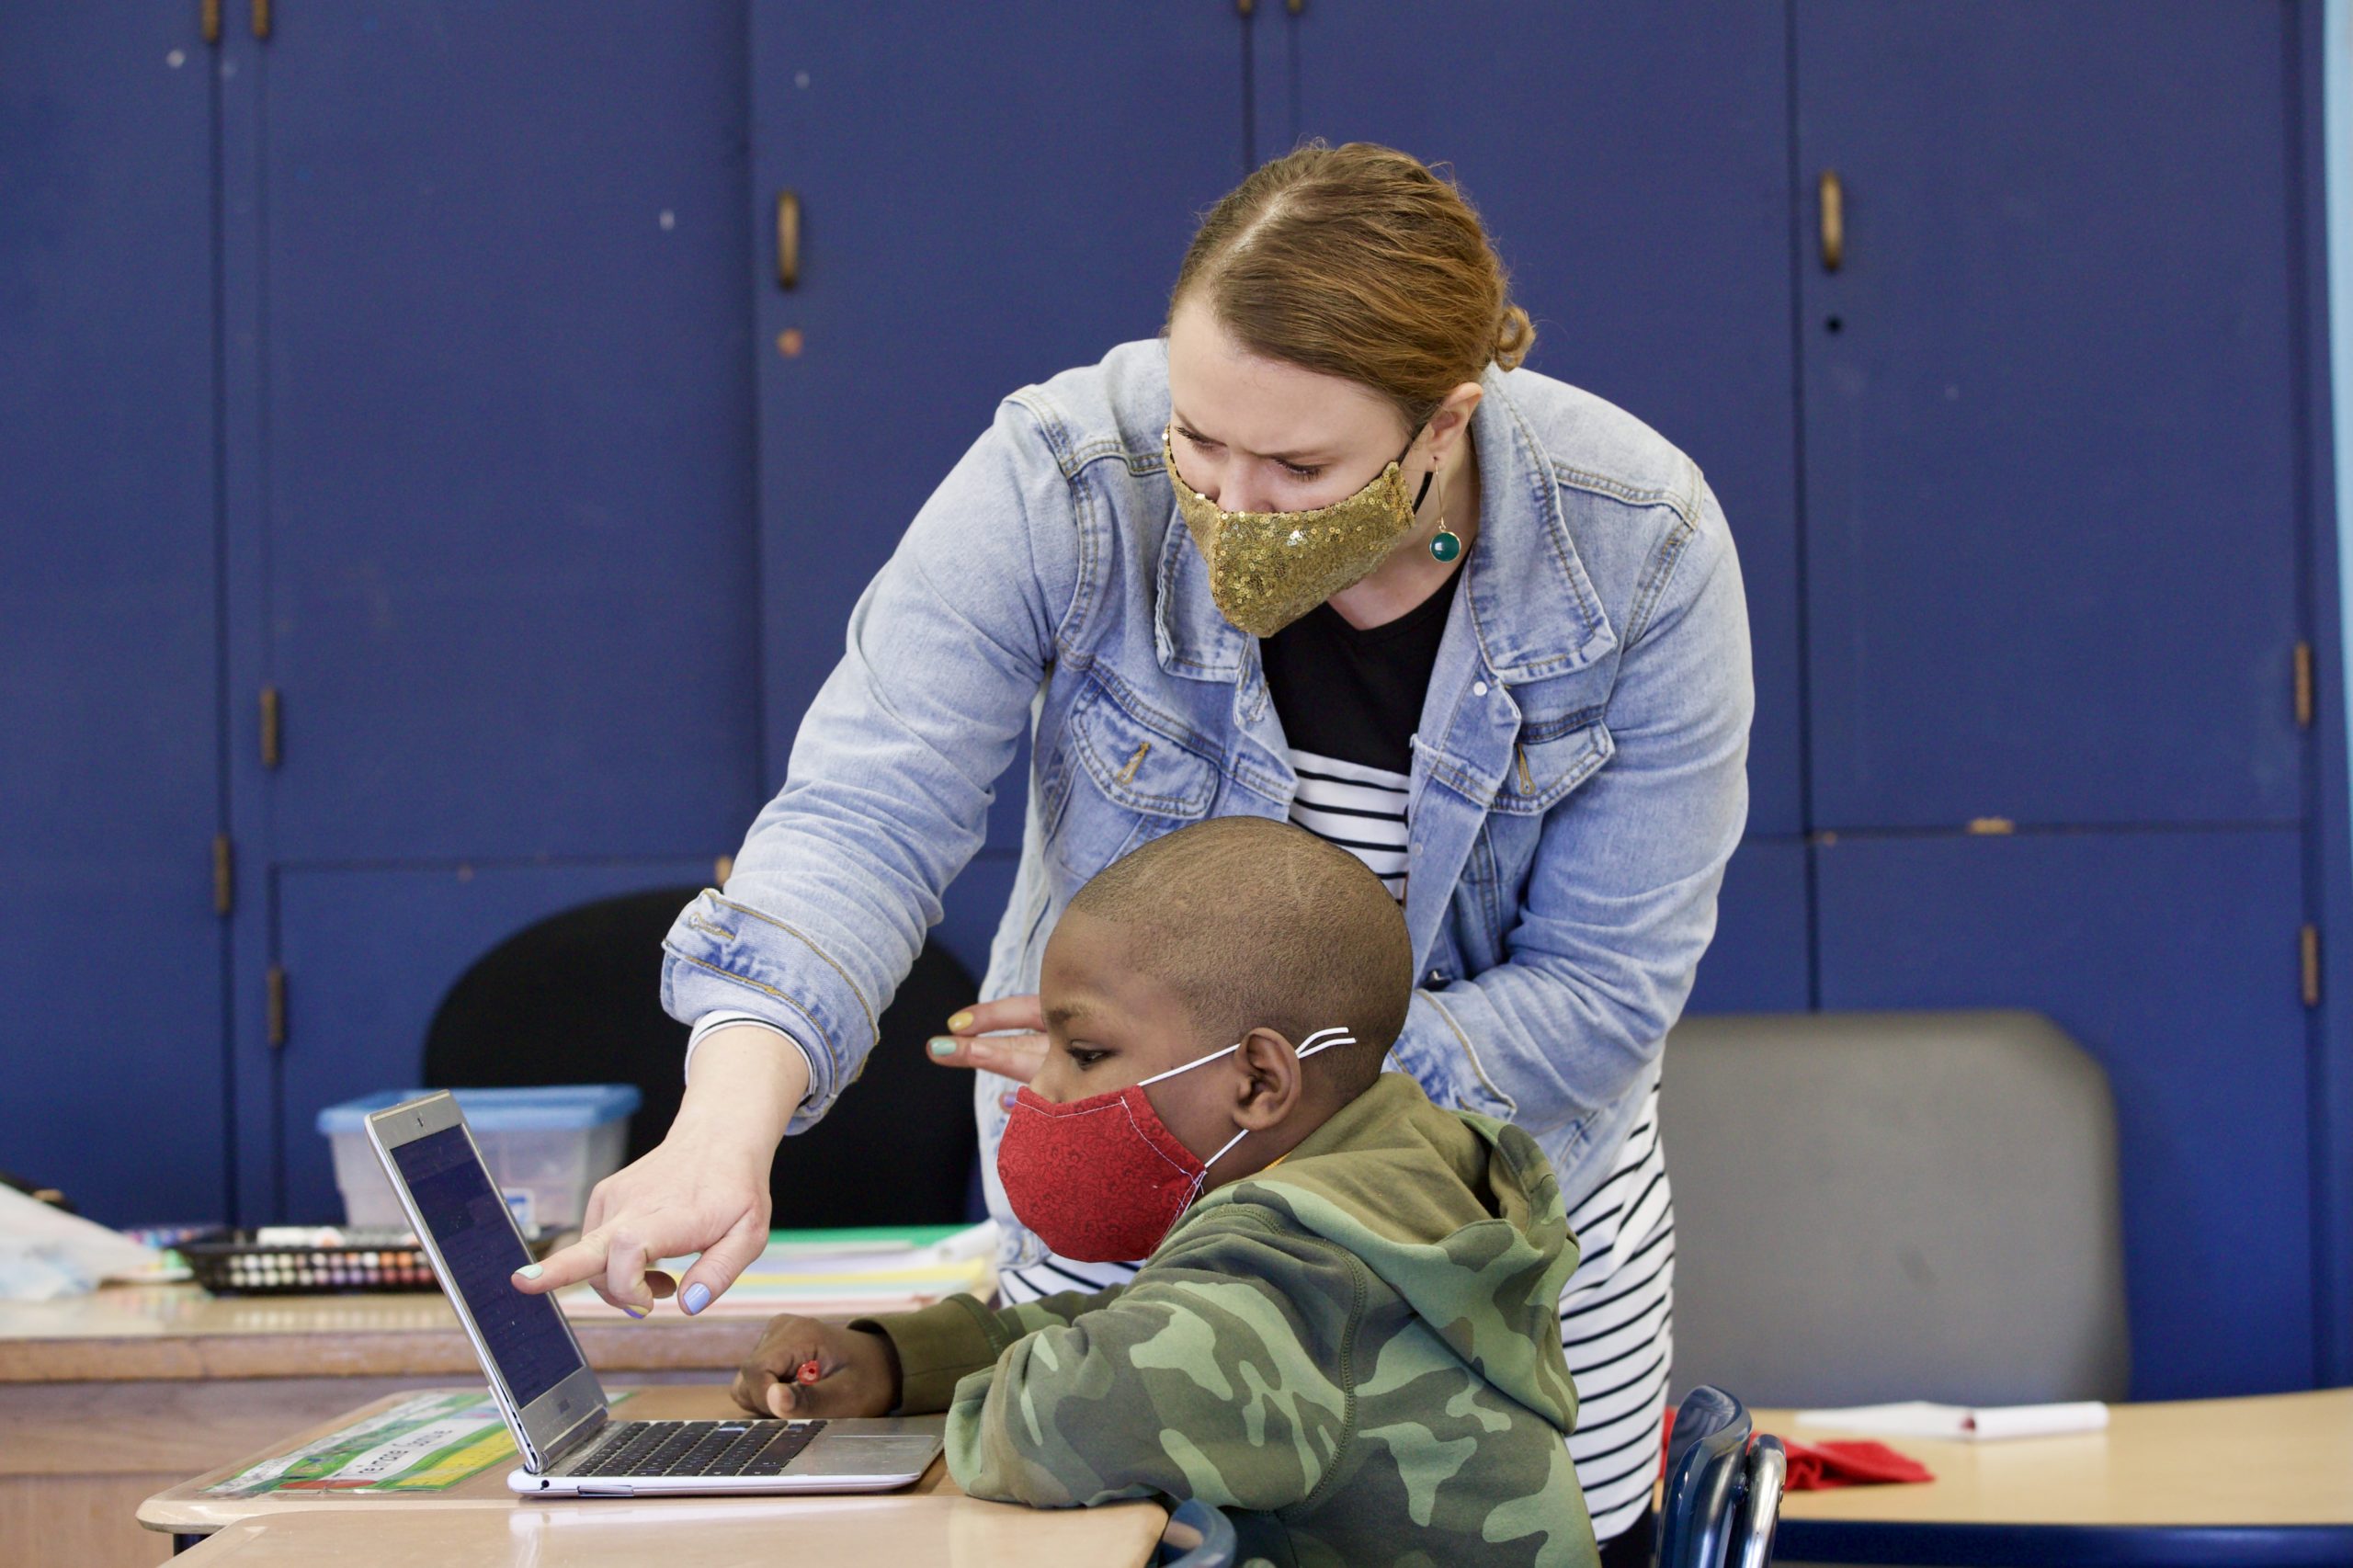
{"x": 1578, "y": 779}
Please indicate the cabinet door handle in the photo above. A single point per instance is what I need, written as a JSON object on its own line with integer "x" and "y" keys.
{"x": 788, "y": 239}
{"x": 1834, "y": 221}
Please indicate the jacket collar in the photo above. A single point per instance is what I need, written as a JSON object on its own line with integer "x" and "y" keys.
{"x": 1532, "y": 607}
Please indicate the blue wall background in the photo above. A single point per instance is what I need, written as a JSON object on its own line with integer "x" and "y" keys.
{"x": 428, "y": 368}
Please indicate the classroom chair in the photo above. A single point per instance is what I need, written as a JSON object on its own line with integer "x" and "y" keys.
{"x": 1198, "y": 1536}
{"x": 1888, "y": 1205}
{"x": 1724, "y": 1492}
{"x": 576, "y": 998}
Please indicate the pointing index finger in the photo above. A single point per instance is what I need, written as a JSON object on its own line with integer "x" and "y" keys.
{"x": 584, "y": 1259}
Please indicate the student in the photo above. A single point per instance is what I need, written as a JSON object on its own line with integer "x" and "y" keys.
{"x": 1344, "y": 1331}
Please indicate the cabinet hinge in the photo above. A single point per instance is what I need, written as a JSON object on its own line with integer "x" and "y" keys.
{"x": 270, "y": 751}
{"x": 224, "y": 874}
{"x": 211, "y": 11}
{"x": 261, "y": 19}
{"x": 2308, "y": 940}
{"x": 277, "y": 1006}
{"x": 2303, "y": 686}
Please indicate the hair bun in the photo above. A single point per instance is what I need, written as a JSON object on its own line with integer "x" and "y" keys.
{"x": 1515, "y": 335}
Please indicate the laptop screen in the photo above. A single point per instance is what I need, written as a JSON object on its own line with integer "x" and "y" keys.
{"x": 471, "y": 1225}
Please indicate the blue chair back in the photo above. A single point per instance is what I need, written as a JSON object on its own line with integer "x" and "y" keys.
{"x": 1198, "y": 1536}
{"x": 1706, "y": 1467}
{"x": 1760, "y": 1505}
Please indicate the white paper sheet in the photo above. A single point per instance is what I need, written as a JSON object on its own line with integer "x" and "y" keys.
{"x": 46, "y": 1253}
{"x": 1961, "y": 1423}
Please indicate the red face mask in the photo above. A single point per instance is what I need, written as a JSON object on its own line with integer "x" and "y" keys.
{"x": 1102, "y": 1179}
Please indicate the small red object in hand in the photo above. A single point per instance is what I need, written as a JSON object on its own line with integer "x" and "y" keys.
{"x": 810, "y": 1372}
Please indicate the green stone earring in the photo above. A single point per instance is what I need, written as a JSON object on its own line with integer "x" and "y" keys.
{"x": 1445, "y": 544}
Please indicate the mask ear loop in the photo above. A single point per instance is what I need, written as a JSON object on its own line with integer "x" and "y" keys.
{"x": 1320, "y": 1040}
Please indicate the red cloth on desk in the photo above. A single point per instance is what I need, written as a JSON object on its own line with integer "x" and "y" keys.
{"x": 1819, "y": 1467}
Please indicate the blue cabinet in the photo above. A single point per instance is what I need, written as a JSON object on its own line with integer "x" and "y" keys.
{"x": 2053, "y": 515}
{"x": 2051, "y": 351}
{"x": 505, "y": 529}
{"x": 938, "y": 225}
{"x": 111, "y": 955}
{"x": 490, "y": 516}
{"x": 1761, "y": 960}
{"x": 2172, "y": 957}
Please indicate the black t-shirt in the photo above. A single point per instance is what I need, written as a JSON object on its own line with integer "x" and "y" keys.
{"x": 1356, "y": 696}
{"x": 1349, "y": 702}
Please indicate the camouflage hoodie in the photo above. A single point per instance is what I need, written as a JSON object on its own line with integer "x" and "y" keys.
{"x": 1355, "y": 1352}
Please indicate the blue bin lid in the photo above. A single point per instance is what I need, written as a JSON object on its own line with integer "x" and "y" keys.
{"x": 556, "y": 1106}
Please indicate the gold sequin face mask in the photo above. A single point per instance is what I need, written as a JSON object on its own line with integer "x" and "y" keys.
{"x": 1267, "y": 569}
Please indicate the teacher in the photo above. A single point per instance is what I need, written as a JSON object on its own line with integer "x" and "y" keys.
{"x": 1324, "y": 551}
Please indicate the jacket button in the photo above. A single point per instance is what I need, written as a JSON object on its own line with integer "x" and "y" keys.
{"x": 1478, "y": 688}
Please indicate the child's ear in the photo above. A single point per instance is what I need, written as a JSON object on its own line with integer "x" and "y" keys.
{"x": 1270, "y": 1080}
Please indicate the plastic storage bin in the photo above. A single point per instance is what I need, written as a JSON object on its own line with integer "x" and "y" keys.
{"x": 546, "y": 1147}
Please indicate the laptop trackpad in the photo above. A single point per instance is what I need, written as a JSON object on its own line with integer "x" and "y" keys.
{"x": 906, "y": 1455}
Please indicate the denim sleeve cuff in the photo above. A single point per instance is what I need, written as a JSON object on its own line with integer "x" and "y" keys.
{"x": 937, "y": 1347}
{"x": 724, "y": 957}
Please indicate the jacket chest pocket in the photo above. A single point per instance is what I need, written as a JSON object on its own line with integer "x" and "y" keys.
{"x": 1562, "y": 744}
{"x": 1123, "y": 782}
{"x": 1562, "y": 741}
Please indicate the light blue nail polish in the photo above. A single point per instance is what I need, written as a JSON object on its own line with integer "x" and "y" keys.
{"x": 942, "y": 1046}
{"x": 530, "y": 1271}
{"x": 697, "y": 1297}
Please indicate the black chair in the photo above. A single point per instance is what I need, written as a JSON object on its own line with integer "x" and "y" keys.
{"x": 1723, "y": 1494}
{"x": 1198, "y": 1536}
{"x": 576, "y": 999}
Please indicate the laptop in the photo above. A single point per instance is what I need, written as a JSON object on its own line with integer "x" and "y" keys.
{"x": 551, "y": 1401}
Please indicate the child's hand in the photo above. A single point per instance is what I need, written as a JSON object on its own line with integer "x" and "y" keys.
{"x": 857, "y": 1372}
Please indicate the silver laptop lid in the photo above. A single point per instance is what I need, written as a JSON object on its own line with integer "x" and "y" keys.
{"x": 541, "y": 1381}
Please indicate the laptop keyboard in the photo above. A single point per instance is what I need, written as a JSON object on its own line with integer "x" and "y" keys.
{"x": 700, "y": 1448}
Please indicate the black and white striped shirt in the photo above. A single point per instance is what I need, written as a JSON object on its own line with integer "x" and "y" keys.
{"x": 1361, "y": 808}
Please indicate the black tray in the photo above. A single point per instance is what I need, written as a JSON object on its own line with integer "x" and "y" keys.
{"x": 379, "y": 1260}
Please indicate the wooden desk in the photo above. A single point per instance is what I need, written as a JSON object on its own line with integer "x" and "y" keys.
{"x": 966, "y": 1533}
{"x": 479, "y": 1521}
{"x": 2237, "y": 1482}
{"x": 106, "y": 1398}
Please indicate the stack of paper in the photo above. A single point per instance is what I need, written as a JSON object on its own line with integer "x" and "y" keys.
{"x": 46, "y": 1253}
{"x": 1919, "y": 1418}
{"x": 836, "y": 1273}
